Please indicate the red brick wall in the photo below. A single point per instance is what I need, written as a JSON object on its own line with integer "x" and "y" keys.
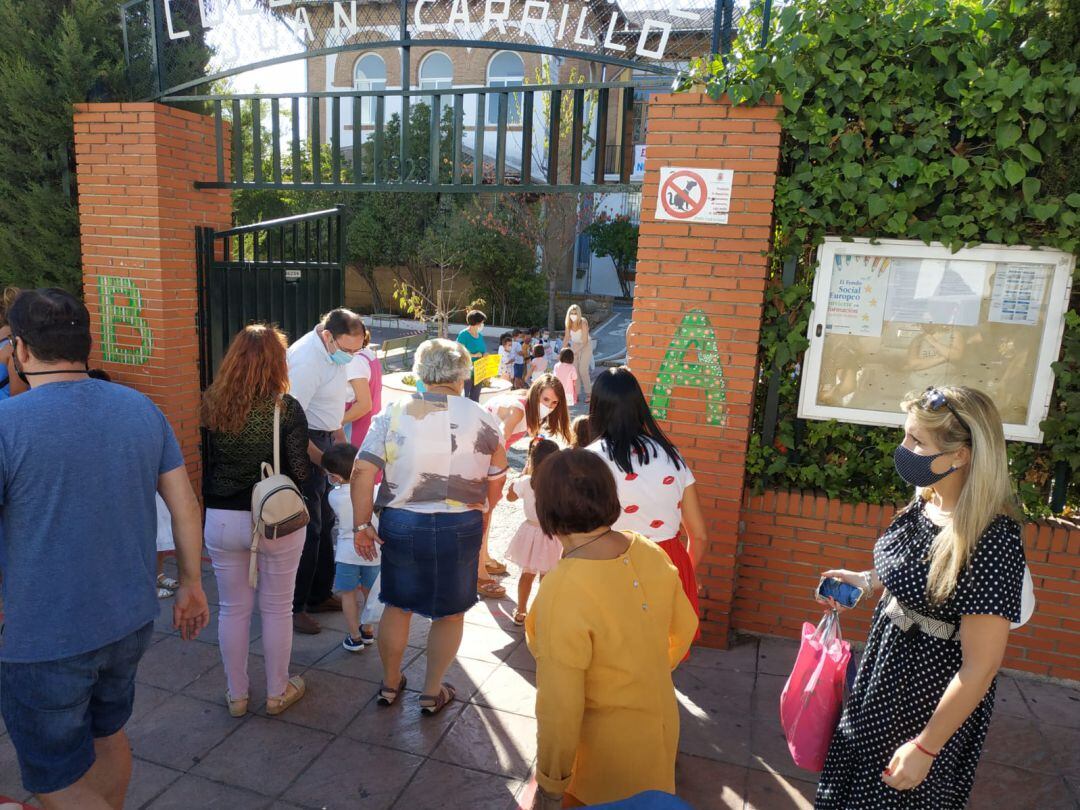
{"x": 719, "y": 270}
{"x": 138, "y": 209}
{"x": 789, "y": 538}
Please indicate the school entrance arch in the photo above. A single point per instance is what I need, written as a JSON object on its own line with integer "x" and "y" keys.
{"x": 151, "y": 173}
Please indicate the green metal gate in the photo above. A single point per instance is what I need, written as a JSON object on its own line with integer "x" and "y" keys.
{"x": 288, "y": 272}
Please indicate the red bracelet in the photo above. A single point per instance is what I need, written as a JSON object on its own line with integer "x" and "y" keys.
{"x": 918, "y": 745}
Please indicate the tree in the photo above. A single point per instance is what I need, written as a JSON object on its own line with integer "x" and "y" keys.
{"x": 502, "y": 268}
{"x": 52, "y": 56}
{"x": 442, "y": 253}
{"x": 618, "y": 238}
{"x": 552, "y": 223}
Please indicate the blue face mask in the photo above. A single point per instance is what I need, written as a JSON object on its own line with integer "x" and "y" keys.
{"x": 915, "y": 469}
{"x": 339, "y": 357}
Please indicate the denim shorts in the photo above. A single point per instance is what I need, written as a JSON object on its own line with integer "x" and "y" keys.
{"x": 55, "y": 709}
{"x": 430, "y": 561}
{"x": 349, "y": 577}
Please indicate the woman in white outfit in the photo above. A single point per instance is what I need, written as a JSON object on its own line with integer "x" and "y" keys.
{"x": 578, "y": 338}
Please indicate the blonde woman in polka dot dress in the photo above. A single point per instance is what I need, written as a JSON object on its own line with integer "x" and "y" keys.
{"x": 952, "y": 568}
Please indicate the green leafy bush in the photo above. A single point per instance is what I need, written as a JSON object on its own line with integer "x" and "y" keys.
{"x": 938, "y": 120}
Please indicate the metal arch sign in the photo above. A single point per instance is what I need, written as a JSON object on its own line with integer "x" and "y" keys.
{"x": 246, "y": 34}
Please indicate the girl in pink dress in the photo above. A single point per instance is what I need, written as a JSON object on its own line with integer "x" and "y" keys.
{"x": 567, "y": 375}
{"x": 530, "y": 549}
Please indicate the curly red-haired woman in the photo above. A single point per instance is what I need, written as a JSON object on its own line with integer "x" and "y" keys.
{"x": 238, "y": 412}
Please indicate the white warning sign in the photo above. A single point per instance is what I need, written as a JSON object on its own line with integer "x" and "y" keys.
{"x": 694, "y": 195}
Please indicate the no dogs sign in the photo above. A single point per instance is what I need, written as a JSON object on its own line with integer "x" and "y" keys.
{"x": 694, "y": 195}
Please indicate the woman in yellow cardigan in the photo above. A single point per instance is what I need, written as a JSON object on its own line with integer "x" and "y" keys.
{"x": 608, "y": 626}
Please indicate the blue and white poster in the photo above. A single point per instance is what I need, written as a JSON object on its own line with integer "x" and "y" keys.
{"x": 857, "y": 291}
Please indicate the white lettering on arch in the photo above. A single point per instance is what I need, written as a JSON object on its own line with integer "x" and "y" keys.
{"x": 537, "y": 23}
{"x": 609, "y": 43}
{"x": 578, "y": 36}
{"x": 344, "y": 22}
{"x": 459, "y": 13}
{"x": 418, "y": 25}
{"x": 497, "y": 19}
{"x": 302, "y": 24}
{"x": 649, "y": 27}
{"x": 173, "y": 33}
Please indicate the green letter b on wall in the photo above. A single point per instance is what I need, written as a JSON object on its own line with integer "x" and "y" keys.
{"x": 125, "y": 335}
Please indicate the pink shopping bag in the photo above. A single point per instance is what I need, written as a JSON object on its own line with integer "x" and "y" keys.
{"x": 814, "y": 693}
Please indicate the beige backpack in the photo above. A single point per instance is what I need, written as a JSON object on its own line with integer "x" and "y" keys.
{"x": 277, "y": 506}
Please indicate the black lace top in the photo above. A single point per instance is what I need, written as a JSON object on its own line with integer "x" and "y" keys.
{"x": 234, "y": 463}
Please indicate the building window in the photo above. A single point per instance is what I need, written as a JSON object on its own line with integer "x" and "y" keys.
{"x": 436, "y": 73}
{"x": 369, "y": 74}
{"x": 505, "y": 70}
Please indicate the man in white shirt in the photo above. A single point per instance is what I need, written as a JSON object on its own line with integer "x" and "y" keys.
{"x": 318, "y": 379}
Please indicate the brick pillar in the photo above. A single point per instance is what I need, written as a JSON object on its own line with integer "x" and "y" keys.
{"x": 138, "y": 209}
{"x": 697, "y": 313}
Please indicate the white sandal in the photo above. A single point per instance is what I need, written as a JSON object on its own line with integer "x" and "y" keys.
{"x": 165, "y": 593}
{"x": 168, "y": 583}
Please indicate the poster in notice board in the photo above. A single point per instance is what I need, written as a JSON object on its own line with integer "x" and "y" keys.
{"x": 894, "y": 317}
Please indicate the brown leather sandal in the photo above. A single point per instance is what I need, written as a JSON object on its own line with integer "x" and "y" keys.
{"x": 430, "y": 705}
{"x": 388, "y": 695}
{"x": 490, "y": 589}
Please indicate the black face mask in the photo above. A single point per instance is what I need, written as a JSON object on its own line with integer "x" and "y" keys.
{"x": 915, "y": 469}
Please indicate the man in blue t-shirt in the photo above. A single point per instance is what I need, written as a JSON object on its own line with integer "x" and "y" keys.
{"x": 80, "y": 462}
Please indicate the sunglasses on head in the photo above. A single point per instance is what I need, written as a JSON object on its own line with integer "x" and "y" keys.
{"x": 935, "y": 400}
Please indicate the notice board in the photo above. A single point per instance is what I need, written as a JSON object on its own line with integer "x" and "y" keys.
{"x": 892, "y": 317}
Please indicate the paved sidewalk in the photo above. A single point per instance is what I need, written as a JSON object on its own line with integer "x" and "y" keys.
{"x": 337, "y": 749}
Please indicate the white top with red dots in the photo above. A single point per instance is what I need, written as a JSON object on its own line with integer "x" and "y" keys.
{"x": 651, "y": 494}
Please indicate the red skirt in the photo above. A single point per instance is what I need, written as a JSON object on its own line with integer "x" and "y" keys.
{"x": 685, "y": 566}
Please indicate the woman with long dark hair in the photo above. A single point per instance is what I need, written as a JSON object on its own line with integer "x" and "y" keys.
{"x": 238, "y": 412}
{"x": 656, "y": 488}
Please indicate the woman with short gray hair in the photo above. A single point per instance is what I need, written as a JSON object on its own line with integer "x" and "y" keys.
{"x": 443, "y": 466}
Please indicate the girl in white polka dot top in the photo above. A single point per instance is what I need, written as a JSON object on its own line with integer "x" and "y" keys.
{"x": 952, "y": 568}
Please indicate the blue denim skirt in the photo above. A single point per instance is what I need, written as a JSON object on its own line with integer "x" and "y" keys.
{"x": 430, "y": 561}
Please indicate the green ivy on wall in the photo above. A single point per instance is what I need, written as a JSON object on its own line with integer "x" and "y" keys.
{"x": 939, "y": 120}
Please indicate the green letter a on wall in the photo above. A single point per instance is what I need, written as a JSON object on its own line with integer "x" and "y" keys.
{"x": 115, "y": 314}
{"x": 695, "y": 332}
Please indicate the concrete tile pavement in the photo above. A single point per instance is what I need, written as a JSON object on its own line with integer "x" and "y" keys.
{"x": 337, "y": 749}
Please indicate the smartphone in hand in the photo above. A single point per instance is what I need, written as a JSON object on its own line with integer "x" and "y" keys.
{"x": 841, "y": 592}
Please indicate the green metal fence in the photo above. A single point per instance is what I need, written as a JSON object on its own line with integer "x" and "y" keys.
{"x": 544, "y": 138}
